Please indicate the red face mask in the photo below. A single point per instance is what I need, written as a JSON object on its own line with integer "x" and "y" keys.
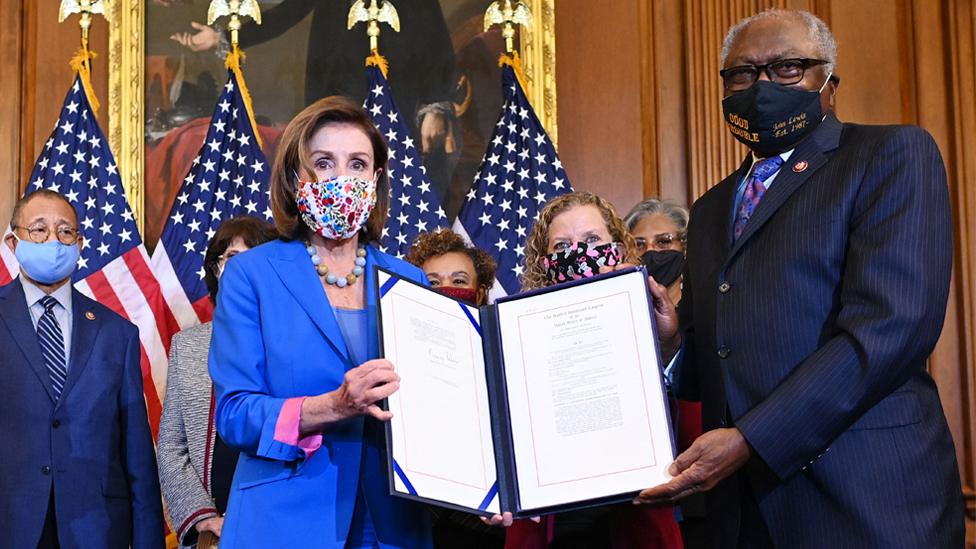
{"x": 469, "y": 295}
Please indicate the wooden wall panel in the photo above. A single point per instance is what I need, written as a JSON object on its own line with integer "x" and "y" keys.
{"x": 598, "y": 81}
{"x": 11, "y": 67}
{"x": 36, "y": 77}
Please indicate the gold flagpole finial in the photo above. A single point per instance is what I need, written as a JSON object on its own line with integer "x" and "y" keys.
{"x": 507, "y": 14}
{"x": 86, "y": 8}
{"x": 235, "y": 9}
{"x": 373, "y": 16}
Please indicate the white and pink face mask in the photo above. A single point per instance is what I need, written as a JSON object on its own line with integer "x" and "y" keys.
{"x": 338, "y": 207}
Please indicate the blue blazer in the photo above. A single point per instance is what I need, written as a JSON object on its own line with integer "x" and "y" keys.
{"x": 275, "y": 337}
{"x": 94, "y": 443}
{"x": 811, "y": 332}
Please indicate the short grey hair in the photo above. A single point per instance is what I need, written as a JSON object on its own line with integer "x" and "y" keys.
{"x": 819, "y": 33}
{"x": 677, "y": 213}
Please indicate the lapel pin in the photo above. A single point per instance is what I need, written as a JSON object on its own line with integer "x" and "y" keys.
{"x": 800, "y": 166}
{"x": 90, "y": 315}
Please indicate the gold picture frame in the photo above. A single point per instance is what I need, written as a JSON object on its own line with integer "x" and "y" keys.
{"x": 126, "y": 19}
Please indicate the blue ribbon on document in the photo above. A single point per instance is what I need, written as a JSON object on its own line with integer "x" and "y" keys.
{"x": 490, "y": 496}
{"x": 388, "y": 285}
{"x": 403, "y": 478}
{"x": 467, "y": 313}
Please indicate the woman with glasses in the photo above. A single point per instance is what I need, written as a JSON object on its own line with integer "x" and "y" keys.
{"x": 659, "y": 228}
{"x": 195, "y": 466}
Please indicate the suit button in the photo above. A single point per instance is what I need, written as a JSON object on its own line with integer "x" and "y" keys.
{"x": 724, "y": 288}
{"x": 46, "y": 470}
{"x": 56, "y": 423}
{"x": 723, "y": 351}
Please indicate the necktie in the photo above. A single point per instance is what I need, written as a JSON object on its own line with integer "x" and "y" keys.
{"x": 52, "y": 345}
{"x": 755, "y": 190}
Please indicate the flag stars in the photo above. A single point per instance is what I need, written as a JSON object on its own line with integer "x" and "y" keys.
{"x": 501, "y": 244}
{"x": 72, "y": 107}
{"x": 190, "y": 245}
{"x": 198, "y": 205}
{"x": 105, "y": 228}
{"x": 62, "y": 148}
{"x": 194, "y": 226}
{"x": 67, "y": 127}
{"x": 103, "y": 248}
{"x": 224, "y": 106}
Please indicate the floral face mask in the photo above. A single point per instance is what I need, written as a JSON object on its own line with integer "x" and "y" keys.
{"x": 580, "y": 261}
{"x": 337, "y": 207}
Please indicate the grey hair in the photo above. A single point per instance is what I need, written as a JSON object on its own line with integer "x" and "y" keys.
{"x": 819, "y": 33}
{"x": 677, "y": 213}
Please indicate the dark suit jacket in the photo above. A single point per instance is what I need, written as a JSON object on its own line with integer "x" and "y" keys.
{"x": 93, "y": 444}
{"x": 810, "y": 334}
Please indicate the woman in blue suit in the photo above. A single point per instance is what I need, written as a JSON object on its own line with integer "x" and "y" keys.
{"x": 294, "y": 352}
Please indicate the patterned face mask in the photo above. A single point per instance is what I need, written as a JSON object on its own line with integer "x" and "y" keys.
{"x": 338, "y": 207}
{"x": 580, "y": 261}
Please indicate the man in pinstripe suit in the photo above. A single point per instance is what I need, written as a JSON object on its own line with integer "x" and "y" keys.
{"x": 815, "y": 289}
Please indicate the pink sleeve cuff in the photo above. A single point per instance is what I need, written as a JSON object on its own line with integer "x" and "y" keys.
{"x": 288, "y": 428}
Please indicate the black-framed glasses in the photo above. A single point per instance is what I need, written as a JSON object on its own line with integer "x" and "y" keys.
{"x": 783, "y": 71}
{"x": 660, "y": 242}
{"x": 39, "y": 233}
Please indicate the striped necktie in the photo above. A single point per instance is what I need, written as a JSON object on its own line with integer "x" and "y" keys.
{"x": 755, "y": 189}
{"x": 52, "y": 345}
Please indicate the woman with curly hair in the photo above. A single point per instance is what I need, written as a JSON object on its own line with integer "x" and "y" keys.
{"x": 578, "y": 235}
{"x": 453, "y": 266}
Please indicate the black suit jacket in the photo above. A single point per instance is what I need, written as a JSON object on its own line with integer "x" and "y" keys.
{"x": 92, "y": 445}
{"x": 811, "y": 332}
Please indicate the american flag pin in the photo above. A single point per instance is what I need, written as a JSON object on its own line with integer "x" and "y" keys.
{"x": 800, "y": 166}
{"x": 89, "y": 315}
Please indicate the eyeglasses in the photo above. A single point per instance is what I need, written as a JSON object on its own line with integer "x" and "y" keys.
{"x": 39, "y": 233}
{"x": 784, "y": 71}
{"x": 661, "y": 242}
{"x": 218, "y": 266}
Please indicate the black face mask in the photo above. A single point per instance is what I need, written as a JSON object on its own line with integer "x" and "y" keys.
{"x": 771, "y": 118}
{"x": 665, "y": 266}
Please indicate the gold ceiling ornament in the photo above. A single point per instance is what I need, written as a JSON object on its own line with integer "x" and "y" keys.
{"x": 235, "y": 9}
{"x": 538, "y": 55}
{"x": 373, "y": 15}
{"x": 86, "y": 8}
{"x": 508, "y": 14}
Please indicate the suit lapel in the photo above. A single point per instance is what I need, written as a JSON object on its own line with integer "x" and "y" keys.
{"x": 373, "y": 259}
{"x": 297, "y": 274}
{"x": 84, "y": 332}
{"x": 812, "y": 151}
{"x": 16, "y": 317}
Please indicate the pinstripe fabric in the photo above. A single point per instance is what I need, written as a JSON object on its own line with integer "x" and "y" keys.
{"x": 816, "y": 347}
{"x": 186, "y": 434}
{"x": 52, "y": 345}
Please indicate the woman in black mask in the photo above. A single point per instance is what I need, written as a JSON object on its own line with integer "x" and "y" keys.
{"x": 659, "y": 228}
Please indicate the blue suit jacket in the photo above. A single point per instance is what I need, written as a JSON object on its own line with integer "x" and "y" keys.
{"x": 275, "y": 337}
{"x": 94, "y": 443}
{"x": 811, "y": 332}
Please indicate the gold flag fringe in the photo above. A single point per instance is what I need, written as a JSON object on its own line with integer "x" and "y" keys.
{"x": 516, "y": 63}
{"x": 233, "y": 63}
{"x": 81, "y": 64}
{"x": 377, "y": 60}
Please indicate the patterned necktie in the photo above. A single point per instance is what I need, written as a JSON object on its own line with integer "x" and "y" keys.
{"x": 755, "y": 190}
{"x": 52, "y": 345}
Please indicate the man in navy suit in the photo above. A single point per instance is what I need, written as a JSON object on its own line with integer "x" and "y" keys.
{"x": 78, "y": 466}
{"x": 815, "y": 289}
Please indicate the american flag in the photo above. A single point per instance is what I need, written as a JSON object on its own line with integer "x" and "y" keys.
{"x": 114, "y": 267}
{"x": 228, "y": 178}
{"x": 518, "y": 175}
{"x": 414, "y": 208}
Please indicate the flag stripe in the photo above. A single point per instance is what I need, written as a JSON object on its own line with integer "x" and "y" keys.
{"x": 103, "y": 292}
{"x": 171, "y": 289}
{"x": 204, "y": 308}
{"x": 138, "y": 264}
{"x": 8, "y": 263}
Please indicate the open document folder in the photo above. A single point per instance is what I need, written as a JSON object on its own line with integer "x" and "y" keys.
{"x": 546, "y": 401}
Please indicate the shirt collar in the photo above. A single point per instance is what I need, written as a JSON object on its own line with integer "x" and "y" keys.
{"x": 784, "y": 155}
{"x": 33, "y": 294}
